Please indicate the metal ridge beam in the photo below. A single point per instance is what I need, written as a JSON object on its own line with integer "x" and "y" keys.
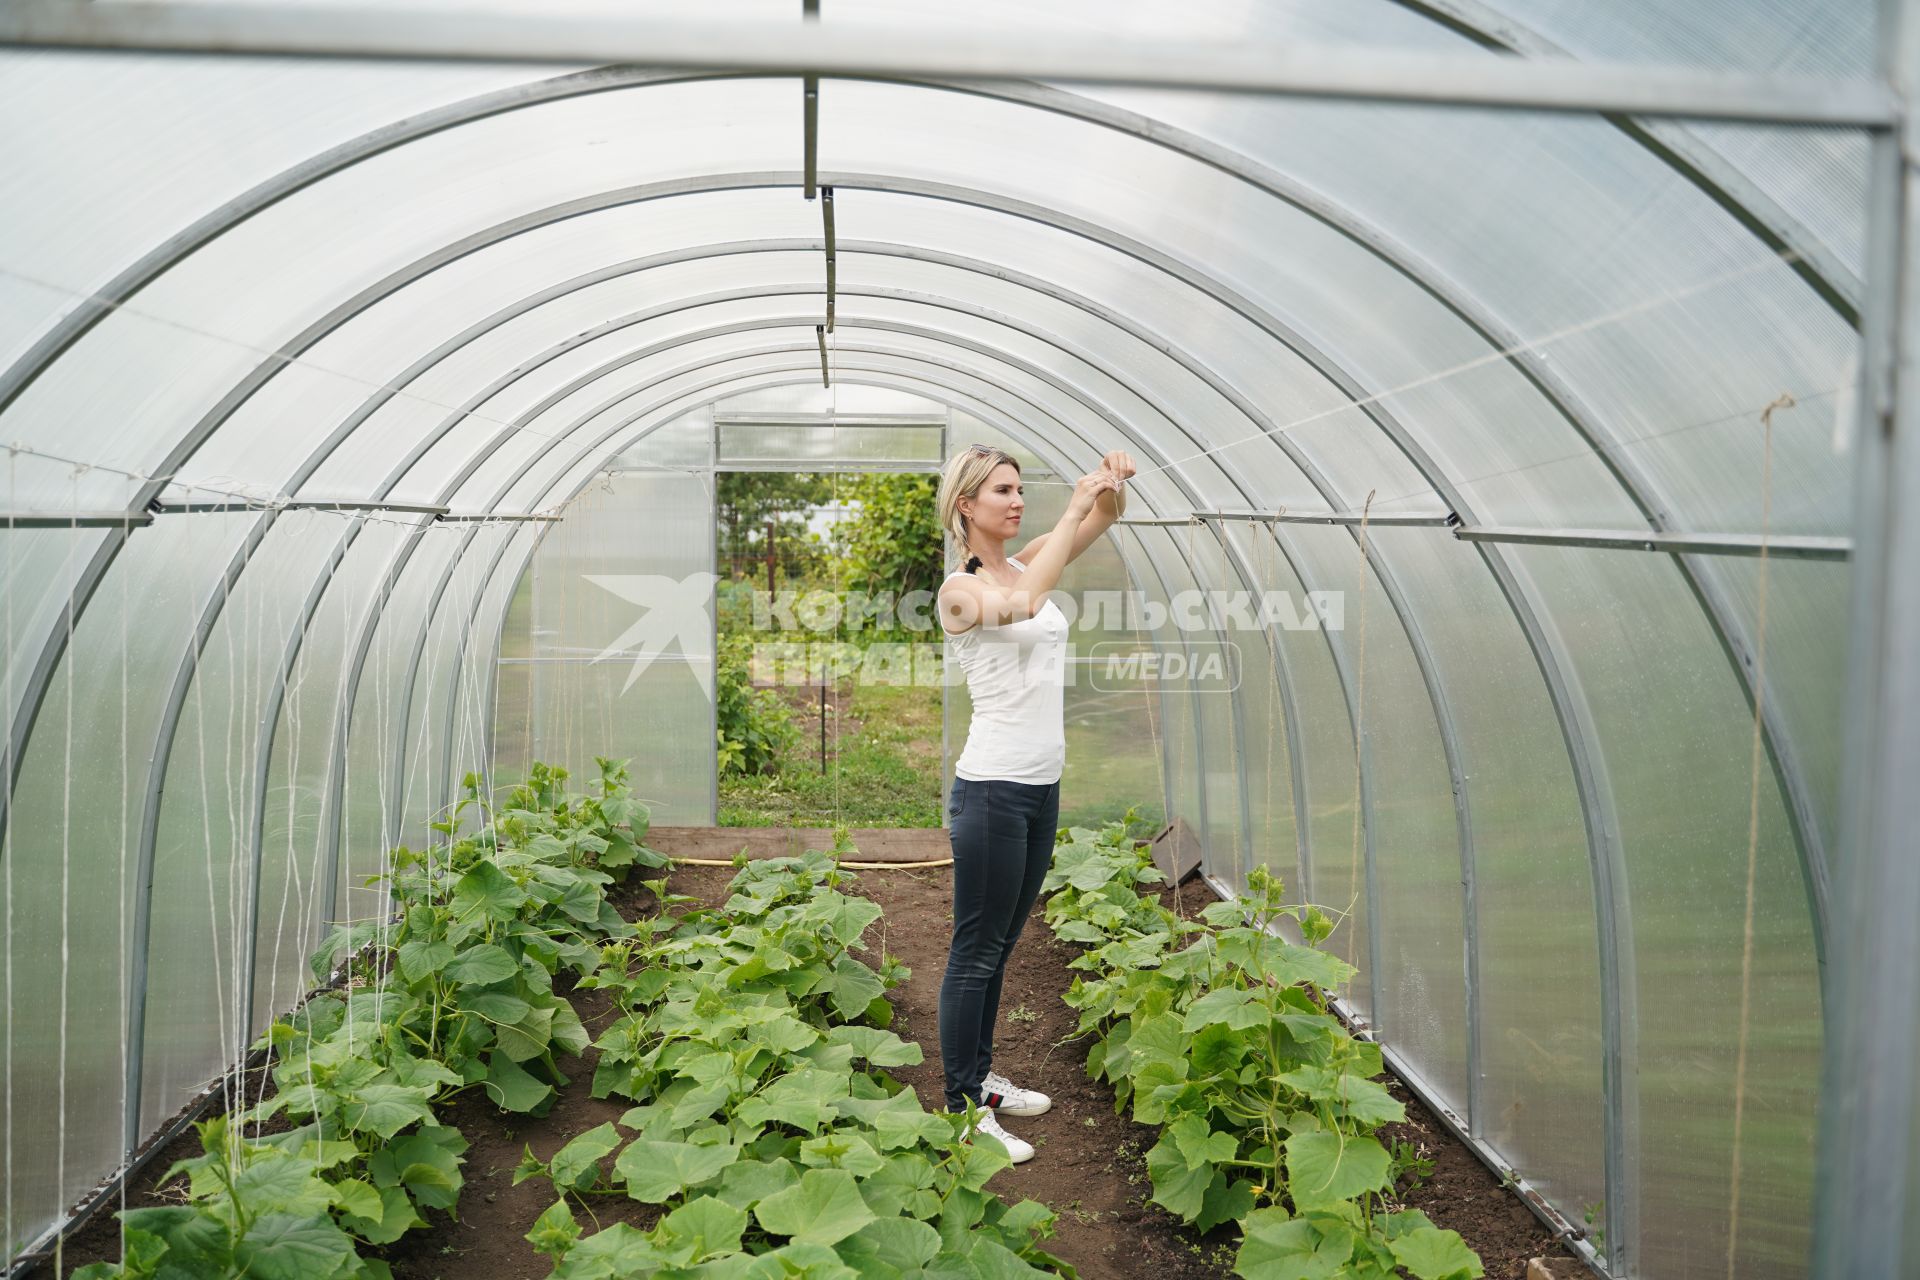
{"x": 811, "y": 49}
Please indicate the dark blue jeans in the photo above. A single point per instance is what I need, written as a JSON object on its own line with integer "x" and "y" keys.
{"x": 1002, "y": 834}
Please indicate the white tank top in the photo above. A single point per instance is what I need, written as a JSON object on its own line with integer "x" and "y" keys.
{"x": 1016, "y": 674}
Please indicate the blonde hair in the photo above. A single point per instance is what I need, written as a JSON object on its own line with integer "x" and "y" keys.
{"x": 961, "y": 478}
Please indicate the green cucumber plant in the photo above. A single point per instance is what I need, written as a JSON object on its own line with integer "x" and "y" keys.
{"x": 754, "y": 1044}
{"x": 457, "y": 992}
{"x": 1219, "y": 1031}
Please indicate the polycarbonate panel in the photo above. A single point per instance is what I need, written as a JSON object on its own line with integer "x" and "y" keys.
{"x": 1170, "y": 713}
{"x": 38, "y": 568}
{"x": 1274, "y": 838}
{"x": 1023, "y": 397}
{"x": 1415, "y": 845}
{"x": 471, "y": 737}
{"x": 426, "y": 741}
{"x": 1208, "y": 405}
{"x": 1772, "y": 35}
{"x": 623, "y": 636}
{"x": 686, "y": 441}
{"x": 201, "y": 947}
{"x": 371, "y": 795}
{"x": 1540, "y": 1040}
{"x": 1807, "y": 611}
{"x": 1671, "y": 322}
{"x": 109, "y": 172}
{"x": 69, "y": 872}
{"x": 1215, "y": 665}
{"x": 598, "y": 408}
{"x": 297, "y": 869}
{"x": 513, "y": 685}
{"x": 1682, "y": 795}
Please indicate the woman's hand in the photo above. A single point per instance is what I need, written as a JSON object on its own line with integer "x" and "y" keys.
{"x": 1087, "y": 490}
{"x": 1120, "y": 463}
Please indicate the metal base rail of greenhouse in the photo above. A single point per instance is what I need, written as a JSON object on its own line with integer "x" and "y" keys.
{"x": 1564, "y": 1232}
{"x": 41, "y": 1251}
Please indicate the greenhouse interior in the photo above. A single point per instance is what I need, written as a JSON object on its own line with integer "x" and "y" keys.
{"x": 1516, "y": 565}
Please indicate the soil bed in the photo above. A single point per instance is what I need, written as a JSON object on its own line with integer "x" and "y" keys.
{"x": 1090, "y": 1168}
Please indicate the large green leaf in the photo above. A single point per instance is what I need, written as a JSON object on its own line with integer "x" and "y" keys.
{"x": 511, "y": 1088}
{"x": 1278, "y": 1248}
{"x": 289, "y": 1246}
{"x": 486, "y": 893}
{"x": 657, "y": 1171}
{"x": 1236, "y": 1007}
{"x": 576, "y": 1166}
{"x": 701, "y": 1228}
{"x": 852, "y": 987}
{"x": 841, "y": 1149}
{"x": 748, "y": 1182}
{"x": 1327, "y": 1168}
{"x": 482, "y": 965}
{"x": 1433, "y": 1254}
{"x": 393, "y": 1217}
{"x": 386, "y": 1109}
{"x": 890, "y": 1247}
{"x": 420, "y": 958}
{"x": 495, "y": 1006}
{"x": 824, "y": 1208}
{"x": 879, "y": 1048}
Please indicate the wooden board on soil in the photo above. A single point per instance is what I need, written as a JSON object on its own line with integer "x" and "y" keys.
{"x": 1090, "y": 1168}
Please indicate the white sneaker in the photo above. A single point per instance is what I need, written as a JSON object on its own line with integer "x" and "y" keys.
{"x": 1018, "y": 1150}
{"x": 1003, "y": 1095}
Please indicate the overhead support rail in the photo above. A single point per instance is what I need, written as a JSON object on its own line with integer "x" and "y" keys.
{"x": 1399, "y": 519}
{"x": 820, "y": 336}
{"x": 484, "y": 517}
{"x": 299, "y": 504}
{"x": 74, "y": 519}
{"x": 1696, "y": 544}
{"x": 809, "y": 49}
{"x": 120, "y": 519}
{"x": 1693, "y": 544}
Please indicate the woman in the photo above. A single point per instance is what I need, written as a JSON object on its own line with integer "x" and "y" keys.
{"x": 1005, "y": 801}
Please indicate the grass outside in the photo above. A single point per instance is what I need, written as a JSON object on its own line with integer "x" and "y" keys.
{"x": 883, "y": 765}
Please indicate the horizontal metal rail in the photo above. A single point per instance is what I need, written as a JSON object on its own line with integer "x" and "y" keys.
{"x": 812, "y": 49}
{"x": 456, "y": 517}
{"x": 73, "y": 519}
{"x": 1429, "y": 519}
{"x": 1692, "y": 544}
{"x": 298, "y": 504}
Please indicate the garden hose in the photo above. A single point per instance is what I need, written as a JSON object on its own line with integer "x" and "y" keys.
{"x": 845, "y": 862}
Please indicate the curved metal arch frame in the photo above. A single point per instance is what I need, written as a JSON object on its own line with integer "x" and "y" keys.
{"x": 1422, "y": 655}
{"x": 108, "y": 551}
{"x": 1310, "y": 472}
{"x": 1584, "y": 765}
{"x": 918, "y": 381}
{"x": 958, "y": 401}
{"x": 940, "y": 393}
{"x": 674, "y": 406}
{"x": 1193, "y": 278}
{"x": 1702, "y": 578}
{"x": 342, "y": 725}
